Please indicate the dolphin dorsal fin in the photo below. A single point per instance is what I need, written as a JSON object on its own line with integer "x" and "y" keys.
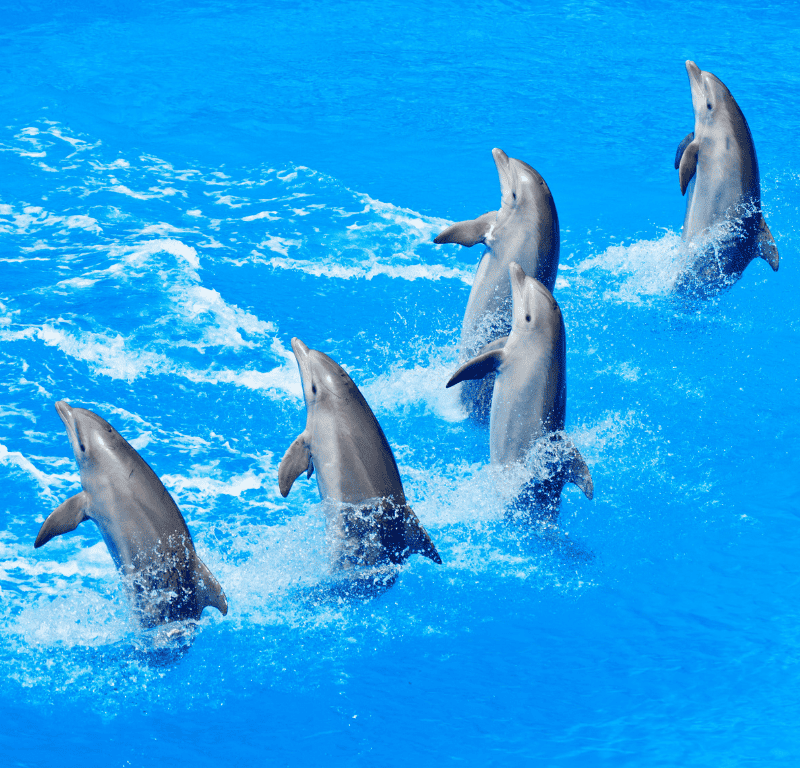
{"x": 65, "y": 519}
{"x": 209, "y": 591}
{"x": 468, "y": 233}
{"x": 478, "y": 367}
{"x": 767, "y": 249}
{"x": 688, "y": 164}
{"x": 686, "y": 141}
{"x": 416, "y": 537}
{"x": 295, "y": 461}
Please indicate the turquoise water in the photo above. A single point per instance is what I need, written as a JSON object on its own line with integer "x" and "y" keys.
{"x": 185, "y": 188}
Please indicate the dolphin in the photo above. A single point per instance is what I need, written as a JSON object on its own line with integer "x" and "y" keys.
{"x": 524, "y": 230}
{"x": 368, "y": 516}
{"x": 141, "y": 525}
{"x": 530, "y": 394}
{"x": 717, "y": 165}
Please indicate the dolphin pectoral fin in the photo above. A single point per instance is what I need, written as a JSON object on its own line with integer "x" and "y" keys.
{"x": 767, "y": 249}
{"x": 687, "y": 140}
{"x": 575, "y": 469}
{"x": 310, "y": 470}
{"x": 209, "y": 591}
{"x": 468, "y": 233}
{"x": 65, "y": 519}
{"x": 294, "y": 462}
{"x": 417, "y": 538}
{"x": 478, "y": 367}
{"x": 688, "y": 164}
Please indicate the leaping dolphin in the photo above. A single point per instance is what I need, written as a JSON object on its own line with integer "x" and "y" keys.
{"x": 142, "y": 526}
{"x": 525, "y": 230}
{"x": 374, "y": 527}
{"x": 530, "y": 396}
{"x": 717, "y": 164}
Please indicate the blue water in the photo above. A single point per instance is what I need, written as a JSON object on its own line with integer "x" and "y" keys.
{"x": 184, "y": 187}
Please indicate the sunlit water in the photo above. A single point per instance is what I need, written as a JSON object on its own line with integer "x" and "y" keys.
{"x": 183, "y": 189}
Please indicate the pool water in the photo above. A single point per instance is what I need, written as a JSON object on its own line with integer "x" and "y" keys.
{"x": 185, "y": 187}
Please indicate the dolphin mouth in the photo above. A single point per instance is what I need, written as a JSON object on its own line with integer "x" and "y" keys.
{"x": 64, "y": 410}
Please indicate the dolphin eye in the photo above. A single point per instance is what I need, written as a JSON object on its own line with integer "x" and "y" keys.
{"x": 527, "y": 318}
{"x": 708, "y": 104}
{"x": 110, "y": 430}
{"x": 83, "y": 447}
{"x": 515, "y": 195}
{"x": 314, "y": 388}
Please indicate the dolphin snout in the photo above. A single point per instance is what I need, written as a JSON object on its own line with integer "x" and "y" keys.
{"x": 694, "y": 72}
{"x": 299, "y": 348}
{"x": 517, "y": 274}
{"x": 503, "y": 164}
{"x": 499, "y": 156}
{"x": 64, "y": 410}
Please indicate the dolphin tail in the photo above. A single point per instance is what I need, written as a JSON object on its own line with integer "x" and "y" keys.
{"x": 417, "y": 539}
{"x": 468, "y": 233}
{"x": 209, "y": 591}
{"x": 767, "y": 249}
{"x": 574, "y": 468}
{"x": 66, "y": 518}
{"x": 688, "y": 163}
{"x": 295, "y": 461}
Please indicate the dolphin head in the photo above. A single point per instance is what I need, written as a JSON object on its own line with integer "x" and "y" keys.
{"x": 90, "y": 436}
{"x": 323, "y": 379}
{"x": 710, "y": 96}
{"x": 534, "y": 308}
{"x": 520, "y": 184}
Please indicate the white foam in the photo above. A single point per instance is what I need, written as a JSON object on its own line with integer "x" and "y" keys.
{"x": 83, "y": 222}
{"x": 196, "y": 301}
{"x": 369, "y": 269}
{"x": 121, "y": 189}
{"x": 45, "y": 481}
{"x": 161, "y": 229}
{"x": 644, "y": 268}
{"x": 205, "y": 487}
{"x": 140, "y": 253}
{"x": 108, "y": 355}
{"x": 69, "y": 139}
{"x": 141, "y": 441}
{"x": 269, "y": 215}
{"x": 112, "y": 356}
{"x": 77, "y": 282}
{"x": 418, "y": 386}
{"x": 280, "y": 244}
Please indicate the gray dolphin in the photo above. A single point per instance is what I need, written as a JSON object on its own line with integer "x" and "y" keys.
{"x": 369, "y": 517}
{"x": 530, "y": 396}
{"x": 717, "y": 164}
{"x": 142, "y": 526}
{"x": 525, "y": 230}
